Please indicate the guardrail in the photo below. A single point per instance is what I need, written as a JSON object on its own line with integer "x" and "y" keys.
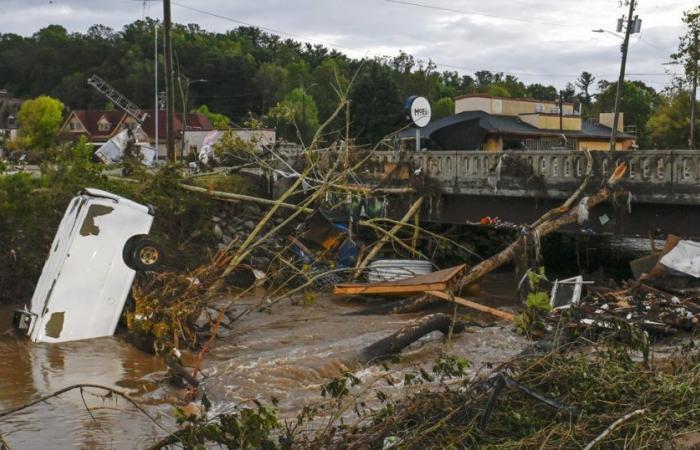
{"x": 666, "y": 176}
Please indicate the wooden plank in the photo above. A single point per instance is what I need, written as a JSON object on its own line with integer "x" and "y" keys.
{"x": 435, "y": 281}
{"x": 360, "y": 289}
{"x": 473, "y": 305}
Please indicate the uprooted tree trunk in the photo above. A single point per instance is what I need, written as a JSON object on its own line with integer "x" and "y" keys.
{"x": 548, "y": 223}
{"x": 392, "y": 345}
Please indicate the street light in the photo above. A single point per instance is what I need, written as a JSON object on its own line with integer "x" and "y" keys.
{"x": 633, "y": 26}
{"x": 600, "y": 30}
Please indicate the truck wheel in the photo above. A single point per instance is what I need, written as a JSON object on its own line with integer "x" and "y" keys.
{"x": 145, "y": 255}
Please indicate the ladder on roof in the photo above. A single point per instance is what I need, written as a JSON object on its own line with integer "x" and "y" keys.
{"x": 118, "y": 98}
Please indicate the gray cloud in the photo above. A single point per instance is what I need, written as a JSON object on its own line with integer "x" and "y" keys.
{"x": 552, "y": 43}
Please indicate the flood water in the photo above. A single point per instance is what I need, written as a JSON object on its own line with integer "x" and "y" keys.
{"x": 288, "y": 353}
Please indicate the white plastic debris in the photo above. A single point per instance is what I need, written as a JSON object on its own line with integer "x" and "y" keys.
{"x": 684, "y": 258}
{"x": 582, "y": 210}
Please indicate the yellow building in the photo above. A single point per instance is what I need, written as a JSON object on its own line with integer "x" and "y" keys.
{"x": 485, "y": 122}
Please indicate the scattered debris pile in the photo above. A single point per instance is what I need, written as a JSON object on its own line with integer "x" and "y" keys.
{"x": 638, "y": 304}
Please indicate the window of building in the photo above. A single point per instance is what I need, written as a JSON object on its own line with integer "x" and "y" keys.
{"x": 103, "y": 124}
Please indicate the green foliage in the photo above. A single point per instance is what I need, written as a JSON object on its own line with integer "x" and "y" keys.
{"x": 584, "y": 82}
{"x": 297, "y": 115}
{"x": 530, "y": 322}
{"x": 498, "y": 91}
{"x": 232, "y": 150}
{"x": 39, "y": 120}
{"x": 339, "y": 387}
{"x": 688, "y": 52}
{"x": 637, "y": 102}
{"x": 541, "y": 92}
{"x": 669, "y": 126}
{"x": 443, "y": 108}
{"x": 448, "y": 366}
{"x": 218, "y": 121}
{"x": 247, "y": 428}
{"x": 376, "y": 104}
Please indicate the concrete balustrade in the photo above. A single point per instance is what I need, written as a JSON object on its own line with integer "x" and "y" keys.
{"x": 666, "y": 176}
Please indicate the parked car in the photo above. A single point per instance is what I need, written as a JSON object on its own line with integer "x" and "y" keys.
{"x": 101, "y": 242}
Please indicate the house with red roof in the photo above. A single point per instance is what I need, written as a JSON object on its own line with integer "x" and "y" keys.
{"x": 100, "y": 126}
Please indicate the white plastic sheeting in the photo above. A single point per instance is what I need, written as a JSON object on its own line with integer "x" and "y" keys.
{"x": 684, "y": 258}
{"x": 206, "y": 153}
{"x": 112, "y": 151}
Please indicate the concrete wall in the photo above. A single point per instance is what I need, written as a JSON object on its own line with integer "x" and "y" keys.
{"x": 473, "y": 104}
{"x": 551, "y": 122}
{"x": 608, "y": 119}
{"x": 507, "y": 106}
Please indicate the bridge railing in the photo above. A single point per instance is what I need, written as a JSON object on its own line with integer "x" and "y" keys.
{"x": 464, "y": 170}
{"x": 654, "y": 166}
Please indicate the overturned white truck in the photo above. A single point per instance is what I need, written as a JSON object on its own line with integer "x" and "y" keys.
{"x": 100, "y": 244}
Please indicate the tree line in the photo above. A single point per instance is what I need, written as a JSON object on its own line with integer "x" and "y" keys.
{"x": 246, "y": 74}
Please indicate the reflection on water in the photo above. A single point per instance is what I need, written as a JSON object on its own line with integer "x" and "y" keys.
{"x": 29, "y": 371}
{"x": 287, "y": 353}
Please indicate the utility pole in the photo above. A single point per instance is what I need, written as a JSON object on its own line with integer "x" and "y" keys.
{"x": 303, "y": 108}
{"x": 561, "y": 110}
{"x": 631, "y": 24}
{"x": 694, "y": 91}
{"x": 169, "y": 81}
{"x": 155, "y": 76}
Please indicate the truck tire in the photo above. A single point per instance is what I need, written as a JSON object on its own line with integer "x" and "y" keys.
{"x": 144, "y": 255}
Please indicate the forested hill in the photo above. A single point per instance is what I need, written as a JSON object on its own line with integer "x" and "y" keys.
{"x": 247, "y": 71}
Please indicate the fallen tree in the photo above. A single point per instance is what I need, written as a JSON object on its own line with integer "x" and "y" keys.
{"x": 548, "y": 223}
{"x": 408, "y": 334}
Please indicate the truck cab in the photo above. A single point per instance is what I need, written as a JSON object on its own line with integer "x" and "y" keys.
{"x": 100, "y": 244}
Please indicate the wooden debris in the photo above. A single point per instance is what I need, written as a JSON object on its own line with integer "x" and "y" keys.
{"x": 436, "y": 284}
{"x": 436, "y": 281}
{"x": 473, "y": 305}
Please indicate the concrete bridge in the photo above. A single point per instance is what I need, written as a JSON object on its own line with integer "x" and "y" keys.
{"x": 518, "y": 186}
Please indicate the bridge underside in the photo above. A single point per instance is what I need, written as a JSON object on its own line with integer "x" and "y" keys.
{"x": 645, "y": 218}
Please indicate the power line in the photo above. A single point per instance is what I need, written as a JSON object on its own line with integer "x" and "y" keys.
{"x": 477, "y": 13}
{"x": 273, "y": 30}
{"x": 248, "y": 24}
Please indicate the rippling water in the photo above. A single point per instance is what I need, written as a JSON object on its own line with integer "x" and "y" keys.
{"x": 288, "y": 354}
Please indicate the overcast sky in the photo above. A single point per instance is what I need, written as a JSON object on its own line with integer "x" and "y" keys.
{"x": 548, "y": 41}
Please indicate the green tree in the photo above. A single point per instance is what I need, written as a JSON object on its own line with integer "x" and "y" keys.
{"x": 218, "y": 121}
{"x": 376, "y": 108}
{"x": 584, "y": 82}
{"x": 497, "y": 91}
{"x": 297, "y": 115}
{"x": 443, "y": 108}
{"x": 328, "y": 80}
{"x": 668, "y": 126}
{"x": 688, "y": 55}
{"x": 541, "y": 92}
{"x": 270, "y": 79}
{"x": 39, "y": 120}
{"x": 638, "y": 101}
{"x": 688, "y": 52}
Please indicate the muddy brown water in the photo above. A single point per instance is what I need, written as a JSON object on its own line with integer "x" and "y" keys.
{"x": 288, "y": 353}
